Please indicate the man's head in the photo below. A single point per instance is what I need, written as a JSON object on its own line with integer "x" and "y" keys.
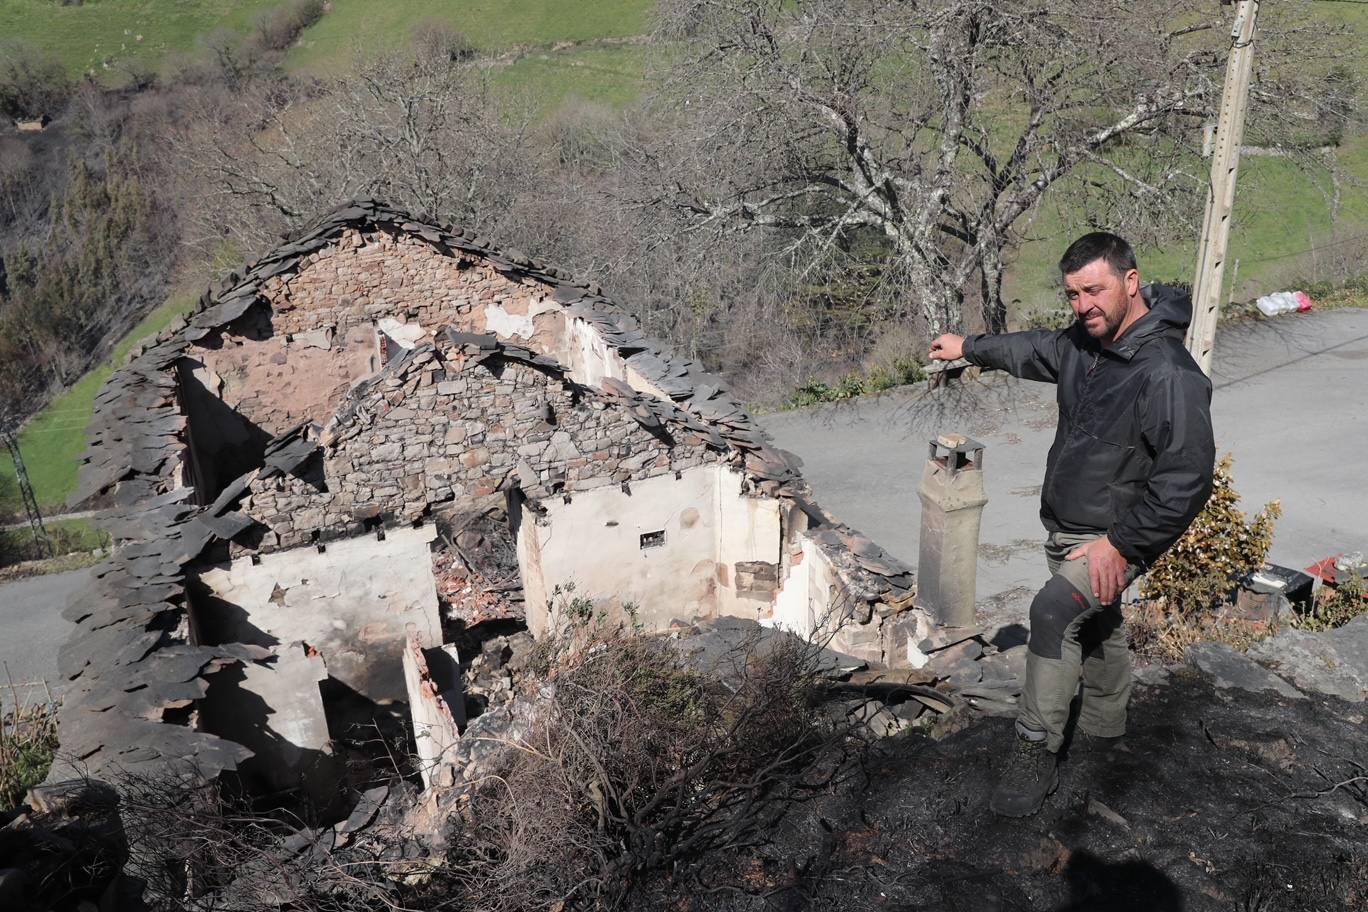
{"x": 1102, "y": 284}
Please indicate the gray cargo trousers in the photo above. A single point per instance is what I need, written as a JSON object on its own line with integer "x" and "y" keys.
{"x": 1074, "y": 635}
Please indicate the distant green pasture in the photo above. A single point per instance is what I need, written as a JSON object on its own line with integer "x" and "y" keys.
{"x": 1282, "y": 234}
{"x": 97, "y": 35}
{"x": 613, "y": 76}
{"x": 364, "y": 26}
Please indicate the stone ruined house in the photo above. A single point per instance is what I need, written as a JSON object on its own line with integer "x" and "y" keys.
{"x": 291, "y": 469}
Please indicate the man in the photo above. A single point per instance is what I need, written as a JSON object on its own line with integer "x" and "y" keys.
{"x": 1130, "y": 468}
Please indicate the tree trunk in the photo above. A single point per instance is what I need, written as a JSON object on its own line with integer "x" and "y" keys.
{"x": 994, "y": 309}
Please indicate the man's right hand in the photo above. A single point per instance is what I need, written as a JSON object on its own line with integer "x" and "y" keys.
{"x": 948, "y": 347}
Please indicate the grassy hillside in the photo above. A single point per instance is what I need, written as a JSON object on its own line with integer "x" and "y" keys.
{"x": 364, "y": 26}
{"x": 53, "y": 442}
{"x": 1284, "y": 232}
{"x": 97, "y": 35}
{"x": 1282, "y": 235}
{"x": 553, "y": 51}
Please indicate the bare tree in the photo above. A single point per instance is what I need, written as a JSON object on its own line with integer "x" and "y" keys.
{"x": 421, "y": 130}
{"x": 917, "y": 135}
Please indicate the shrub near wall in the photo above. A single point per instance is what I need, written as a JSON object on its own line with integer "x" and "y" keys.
{"x": 1220, "y": 546}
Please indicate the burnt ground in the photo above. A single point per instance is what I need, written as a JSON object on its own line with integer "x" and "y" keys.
{"x": 1221, "y": 799}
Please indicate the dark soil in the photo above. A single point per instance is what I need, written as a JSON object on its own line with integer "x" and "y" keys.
{"x": 1219, "y": 800}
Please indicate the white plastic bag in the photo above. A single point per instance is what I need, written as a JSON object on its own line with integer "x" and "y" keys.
{"x": 1277, "y": 303}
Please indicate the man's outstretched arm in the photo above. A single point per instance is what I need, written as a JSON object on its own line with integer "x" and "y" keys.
{"x": 1030, "y": 355}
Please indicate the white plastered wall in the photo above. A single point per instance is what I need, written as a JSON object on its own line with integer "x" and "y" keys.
{"x": 595, "y": 543}
{"x": 355, "y": 603}
{"x": 804, "y": 604}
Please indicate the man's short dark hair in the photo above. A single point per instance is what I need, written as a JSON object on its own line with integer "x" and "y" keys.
{"x": 1099, "y": 245}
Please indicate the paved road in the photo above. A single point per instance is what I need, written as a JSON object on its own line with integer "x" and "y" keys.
{"x": 31, "y": 629}
{"x": 1289, "y": 403}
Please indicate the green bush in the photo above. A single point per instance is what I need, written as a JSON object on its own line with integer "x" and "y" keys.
{"x": 907, "y": 371}
{"x": 1335, "y": 606}
{"x": 1221, "y": 545}
{"x": 1048, "y": 318}
{"x": 904, "y": 371}
{"x": 811, "y": 393}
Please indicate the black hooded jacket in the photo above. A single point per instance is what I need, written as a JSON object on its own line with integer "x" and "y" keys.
{"x": 1133, "y": 453}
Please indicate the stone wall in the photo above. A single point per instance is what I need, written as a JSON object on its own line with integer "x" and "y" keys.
{"x": 349, "y": 307}
{"x": 410, "y": 288}
{"x": 434, "y": 428}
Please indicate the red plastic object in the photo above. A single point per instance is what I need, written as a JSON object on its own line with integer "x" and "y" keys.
{"x": 1324, "y": 569}
{"x": 1303, "y": 302}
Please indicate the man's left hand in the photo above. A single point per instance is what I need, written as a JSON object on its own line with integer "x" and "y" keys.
{"x": 1106, "y": 568}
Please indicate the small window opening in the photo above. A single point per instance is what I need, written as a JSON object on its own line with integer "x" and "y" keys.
{"x": 652, "y": 539}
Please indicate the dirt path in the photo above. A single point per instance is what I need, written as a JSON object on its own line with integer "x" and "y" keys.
{"x": 55, "y": 517}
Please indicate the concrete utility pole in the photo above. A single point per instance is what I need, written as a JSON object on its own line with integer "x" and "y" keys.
{"x": 1225, "y": 162}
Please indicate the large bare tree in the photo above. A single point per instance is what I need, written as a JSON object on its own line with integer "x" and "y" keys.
{"x": 422, "y": 129}
{"x": 926, "y": 130}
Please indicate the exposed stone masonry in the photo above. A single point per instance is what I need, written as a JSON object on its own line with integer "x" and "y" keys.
{"x": 377, "y": 275}
{"x": 362, "y": 282}
{"x": 437, "y": 429}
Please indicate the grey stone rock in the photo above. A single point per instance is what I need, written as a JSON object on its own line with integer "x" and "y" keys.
{"x": 958, "y": 663}
{"x": 1333, "y": 662}
{"x": 1228, "y": 668}
{"x": 1151, "y": 675}
{"x": 1004, "y": 667}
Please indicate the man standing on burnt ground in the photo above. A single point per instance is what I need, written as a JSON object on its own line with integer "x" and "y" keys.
{"x": 1130, "y": 468}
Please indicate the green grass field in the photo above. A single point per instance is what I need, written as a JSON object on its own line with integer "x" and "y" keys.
{"x": 550, "y": 80}
{"x": 53, "y": 442}
{"x": 1282, "y": 234}
{"x": 97, "y": 35}
{"x": 360, "y": 27}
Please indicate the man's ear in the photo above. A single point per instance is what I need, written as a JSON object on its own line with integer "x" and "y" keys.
{"x": 1132, "y": 282}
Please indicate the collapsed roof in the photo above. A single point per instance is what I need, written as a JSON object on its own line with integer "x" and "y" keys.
{"x": 133, "y": 664}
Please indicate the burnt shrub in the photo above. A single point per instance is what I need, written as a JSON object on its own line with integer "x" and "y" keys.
{"x": 639, "y": 762}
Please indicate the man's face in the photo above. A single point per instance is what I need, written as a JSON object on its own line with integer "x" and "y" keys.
{"x": 1100, "y": 298}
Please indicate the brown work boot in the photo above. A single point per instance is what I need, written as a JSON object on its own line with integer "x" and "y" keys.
{"x": 1031, "y": 774}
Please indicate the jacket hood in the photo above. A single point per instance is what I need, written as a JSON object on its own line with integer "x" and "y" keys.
{"x": 1170, "y": 312}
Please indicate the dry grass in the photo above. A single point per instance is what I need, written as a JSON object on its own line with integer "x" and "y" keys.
{"x": 1159, "y": 636}
{"x": 28, "y": 740}
{"x": 1335, "y": 606}
{"x": 637, "y": 764}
